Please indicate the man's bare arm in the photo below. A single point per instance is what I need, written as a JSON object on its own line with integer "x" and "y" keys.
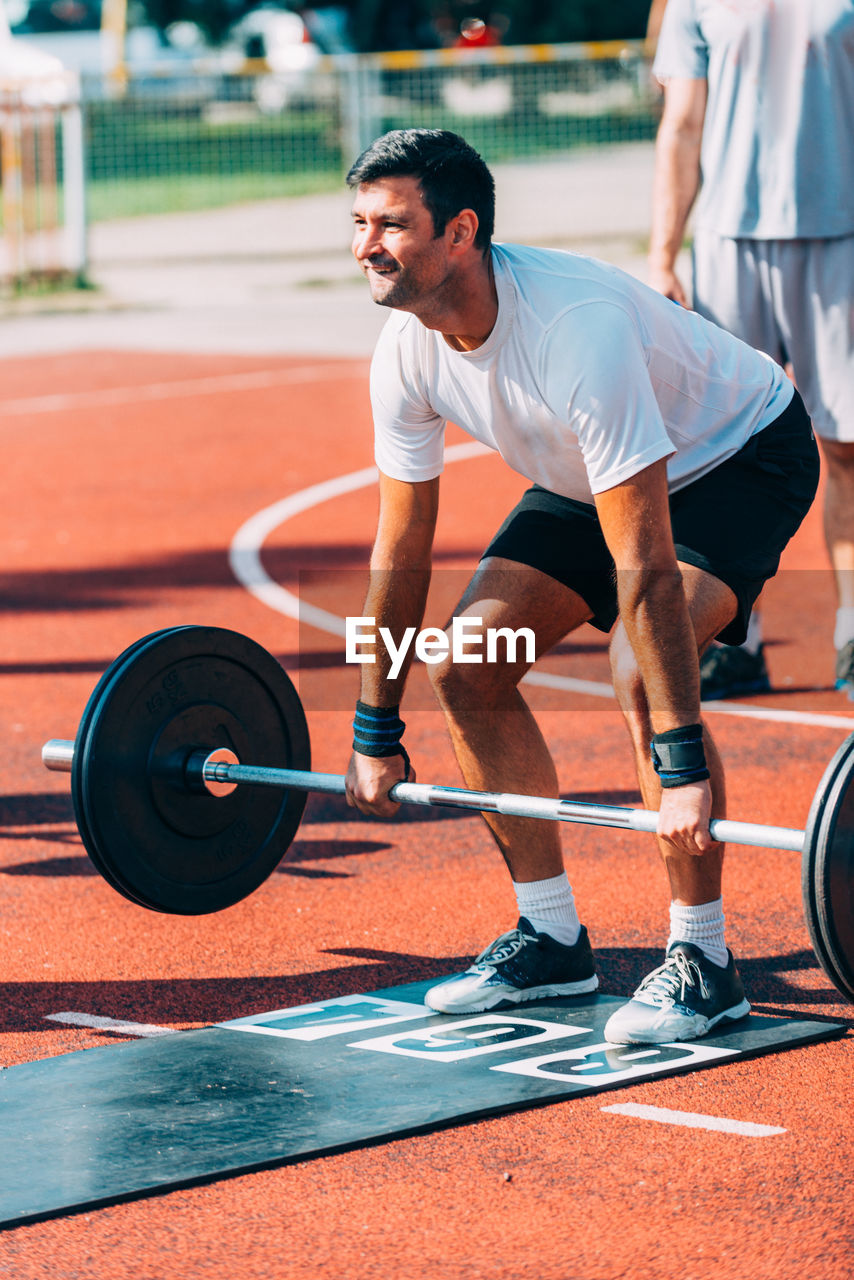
{"x": 400, "y": 576}
{"x": 396, "y": 598}
{"x": 676, "y": 180}
{"x": 635, "y": 520}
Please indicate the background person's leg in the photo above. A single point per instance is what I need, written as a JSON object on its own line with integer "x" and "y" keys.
{"x": 839, "y": 536}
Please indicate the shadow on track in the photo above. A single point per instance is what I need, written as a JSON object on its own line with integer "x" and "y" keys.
{"x": 25, "y": 1005}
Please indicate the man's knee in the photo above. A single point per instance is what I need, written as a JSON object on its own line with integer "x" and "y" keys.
{"x": 629, "y": 690}
{"x": 461, "y": 685}
{"x": 625, "y": 673}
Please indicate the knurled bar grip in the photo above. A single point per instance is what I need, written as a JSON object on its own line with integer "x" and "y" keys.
{"x": 59, "y": 754}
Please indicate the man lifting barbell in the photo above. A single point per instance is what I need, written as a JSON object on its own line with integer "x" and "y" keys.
{"x": 670, "y": 465}
{"x": 191, "y": 764}
{"x": 180, "y": 810}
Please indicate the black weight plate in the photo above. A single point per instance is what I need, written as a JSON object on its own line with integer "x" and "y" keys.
{"x": 191, "y": 688}
{"x": 827, "y": 870}
{"x": 101, "y": 688}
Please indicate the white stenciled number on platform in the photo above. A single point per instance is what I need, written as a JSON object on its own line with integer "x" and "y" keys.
{"x": 470, "y": 1038}
{"x": 330, "y": 1018}
{"x": 473, "y": 1037}
{"x": 597, "y": 1063}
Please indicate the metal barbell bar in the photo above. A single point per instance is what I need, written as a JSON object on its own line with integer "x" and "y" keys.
{"x": 220, "y": 771}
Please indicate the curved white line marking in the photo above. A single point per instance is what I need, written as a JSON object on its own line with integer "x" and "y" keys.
{"x": 245, "y": 551}
{"x": 245, "y": 560}
{"x": 244, "y": 555}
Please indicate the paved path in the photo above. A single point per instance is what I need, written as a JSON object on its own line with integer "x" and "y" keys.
{"x": 277, "y": 276}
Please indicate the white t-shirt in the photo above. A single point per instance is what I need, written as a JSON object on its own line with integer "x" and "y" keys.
{"x": 587, "y": 378}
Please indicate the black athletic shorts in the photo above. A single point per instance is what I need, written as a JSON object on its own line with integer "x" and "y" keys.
{"x": 734, "y": 522}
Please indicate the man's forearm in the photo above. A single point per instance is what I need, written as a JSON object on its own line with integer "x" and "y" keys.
{"x": 396, "y": 600}
{"x": 655, "y": 614}
{"x": 676, "y": 181}
{"x": 675, "y": 185}
{"x": 399, "y": 581}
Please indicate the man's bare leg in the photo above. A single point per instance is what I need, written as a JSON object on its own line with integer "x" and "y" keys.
{"x": 698, "y": 985}
{"x": 498, "y": 744}
{"x": 499, "y": 747}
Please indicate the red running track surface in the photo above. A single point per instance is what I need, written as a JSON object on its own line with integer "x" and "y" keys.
{"x": 126, "y": 478}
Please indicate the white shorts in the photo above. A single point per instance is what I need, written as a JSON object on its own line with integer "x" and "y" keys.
{"x": 794, "y": 300}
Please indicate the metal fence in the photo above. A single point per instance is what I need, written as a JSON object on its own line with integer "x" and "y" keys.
{"x": 42, "y": 195}
{"x": 210, "y": 133}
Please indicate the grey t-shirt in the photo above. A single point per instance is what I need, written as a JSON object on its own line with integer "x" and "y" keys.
{"x": 778, "y": 140}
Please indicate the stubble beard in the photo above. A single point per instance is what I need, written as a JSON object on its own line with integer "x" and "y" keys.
{"x": 391, "y": 290}
{"x": 406, "y": 288}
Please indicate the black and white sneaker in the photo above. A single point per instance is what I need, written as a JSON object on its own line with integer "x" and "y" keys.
{"x": 729, "y": 671}
{"x": 519, "y": 966}
{"x": 681, "y": 1000}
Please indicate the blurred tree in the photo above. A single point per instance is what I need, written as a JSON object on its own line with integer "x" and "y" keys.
{"x": 417, "y": 24}
{"x": 543, "y": 21}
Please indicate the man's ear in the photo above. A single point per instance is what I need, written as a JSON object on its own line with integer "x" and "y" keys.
{"x": 463, "y": 229}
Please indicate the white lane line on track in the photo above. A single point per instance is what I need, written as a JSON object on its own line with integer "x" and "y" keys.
{"x": 692, "y": 1120}
{"x": 600, "y": 690}
{"x": 251, "y": 380}
{"x": 110, "y": 1024}
{"x": 245, "y": 561}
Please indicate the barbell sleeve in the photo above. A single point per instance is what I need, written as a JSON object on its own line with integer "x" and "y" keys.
{"x": 58, "y": 755}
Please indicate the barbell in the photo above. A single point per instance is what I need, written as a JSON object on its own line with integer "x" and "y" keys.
{"x": 177, "y": 816}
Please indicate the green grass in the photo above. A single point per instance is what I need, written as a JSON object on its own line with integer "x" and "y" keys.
{"x": 143, "y": 196}
{"x": 145, "y": 158}
{"x": 148, "y": 158}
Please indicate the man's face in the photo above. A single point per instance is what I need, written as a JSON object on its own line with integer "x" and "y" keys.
{"x": 395, "y": 243}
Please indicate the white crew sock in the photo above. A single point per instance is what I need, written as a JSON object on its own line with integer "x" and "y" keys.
{"x": 702, "y": 925}
{"x": 549, "y": 905}
{"x": 844, "y": 630}
{"x": 753, "y": 640}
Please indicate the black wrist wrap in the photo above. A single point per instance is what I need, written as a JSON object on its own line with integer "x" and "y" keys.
{"x": 377, "y": 731}
{"x": 678, "y": 756}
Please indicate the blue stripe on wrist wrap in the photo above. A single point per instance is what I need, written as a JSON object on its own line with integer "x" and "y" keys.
{"x": 377, "y": 731}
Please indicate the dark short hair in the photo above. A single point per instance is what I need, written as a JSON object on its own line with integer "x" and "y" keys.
{"x": 451, "y": 173}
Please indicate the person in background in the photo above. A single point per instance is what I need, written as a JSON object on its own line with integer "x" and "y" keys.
{"x": 757, "y": 128}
